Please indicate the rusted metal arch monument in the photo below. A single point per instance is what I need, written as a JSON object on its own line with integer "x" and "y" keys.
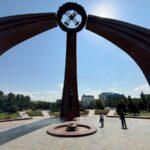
{"x": 132, "y": 39}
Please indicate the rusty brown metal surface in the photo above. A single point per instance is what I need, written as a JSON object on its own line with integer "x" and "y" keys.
{"x": 132, "y": 39}
{"x": 70, "y": 103}
{"x": 16, "y": 29}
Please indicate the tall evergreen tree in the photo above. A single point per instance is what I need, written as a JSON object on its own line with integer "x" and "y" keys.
{"x": 144, "y": 101}
{"x": 99, "y": 104}
{"x": 8, "y": 103}
{"x": 132, "y": 106}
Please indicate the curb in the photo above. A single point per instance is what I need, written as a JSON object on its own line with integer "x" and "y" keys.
{"x": 134, "y": 117}
{"x": 19, "y": 119}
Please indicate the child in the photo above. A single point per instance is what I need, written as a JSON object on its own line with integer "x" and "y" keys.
{"x": 101, "y": 120}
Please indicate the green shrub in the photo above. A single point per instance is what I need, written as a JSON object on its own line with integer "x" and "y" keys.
{"x": 55, "y": 110}
{"x": 82, "y": 109}
{"x": 54, "y": 113}
{"x": 33, "y": 113}
{"x": 9, "y": 116}
{"x": 98, "y": 111}
{"x": 84, "y": 113}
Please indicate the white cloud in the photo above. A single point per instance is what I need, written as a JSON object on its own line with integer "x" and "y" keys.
{"x": 106, "y": 9}
{"x": 44, "y": 95}
{"x": 95, "y": 93}
{"x": 51, "y": 95}
{"x": 142, "y": 88}
{"x": 134, "y": 92}
{"x": 114, "y": 89}
{"x": 60, "y": 86}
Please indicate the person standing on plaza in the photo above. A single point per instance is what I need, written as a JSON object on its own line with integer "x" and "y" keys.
{"x": 123, "y": 121}
{"x": 121, "y": 109}
{"x": 101, "y": 120}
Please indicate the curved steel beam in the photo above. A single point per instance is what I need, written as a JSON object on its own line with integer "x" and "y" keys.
{"x": 134, "y": 40}
{"x": 16, "y": 29}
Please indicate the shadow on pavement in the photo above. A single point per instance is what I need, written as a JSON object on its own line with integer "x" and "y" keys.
{"x": 17, "y": 132}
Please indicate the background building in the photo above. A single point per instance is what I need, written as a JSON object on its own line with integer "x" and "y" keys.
{"x": 87, "y": 101}
{"x": 110, "y": 99}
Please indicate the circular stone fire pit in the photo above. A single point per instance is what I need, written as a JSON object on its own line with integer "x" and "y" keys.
{"x": 70, "y": 129}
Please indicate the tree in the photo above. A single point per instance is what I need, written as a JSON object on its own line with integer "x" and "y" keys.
{"x": 149, "y": 107}
{"x": 26, "y": 102}
{"x": 141, "y": 105}
{"x": 92, "y": 104}
{"x": 144, "y": 101}
{"x": 33, "y": 105}
{"x": 1, "y": 94}
{"x": 114, "y": 100}
{"x": 11, "y": 103}
{"x": 132, "y": 106}
{"x": 8, "y": 103}
{"x": 1, "y": 101}
{"x": 43, "y": 105}
{"x": 99, "y": 104}
{"x": 121, "y": 107}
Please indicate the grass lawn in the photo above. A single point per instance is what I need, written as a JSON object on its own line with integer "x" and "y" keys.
{"x": 142, "y": 113}
{"x": 8, "y": 116}
{"x": 33, "y": 113}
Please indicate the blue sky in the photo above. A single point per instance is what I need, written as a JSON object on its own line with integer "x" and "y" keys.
{"x": 36, "y": 66}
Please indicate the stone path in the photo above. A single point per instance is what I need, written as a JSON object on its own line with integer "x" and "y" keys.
{"x": 45, "y": 113}
{"x": 111, "y": 112}
{"x": 91, "y": 112}
{"x": 23, "y": 114}
{"x": 111, "y": 137}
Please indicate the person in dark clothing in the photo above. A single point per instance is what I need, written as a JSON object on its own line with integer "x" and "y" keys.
{"x": 121, "y": 110}
{"x": 123, "y": 121}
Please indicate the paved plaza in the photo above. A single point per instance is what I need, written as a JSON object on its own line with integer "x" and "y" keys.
{"x": 16, "y": 132}
{"x": 4, "y": 126}
{"x": 111, "y": 137}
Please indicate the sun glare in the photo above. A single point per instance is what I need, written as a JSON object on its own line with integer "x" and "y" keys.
{"x": 106, "y": 10}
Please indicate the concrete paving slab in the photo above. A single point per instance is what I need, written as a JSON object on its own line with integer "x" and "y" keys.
{"x": 111, "y": 137}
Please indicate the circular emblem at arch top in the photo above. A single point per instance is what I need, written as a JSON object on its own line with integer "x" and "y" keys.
{"x": 71, "y": 17}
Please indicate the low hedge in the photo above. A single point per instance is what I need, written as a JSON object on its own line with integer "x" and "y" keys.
{"x": 54, "y": 113}
{"x": 55, "y": 110}
{"x": 57, "y": 113}
{"x": 84, "y": 113}
{"x": 34, "y": 113}
{"x": 98, "y": 111}
{"x": 4, "y": 116}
